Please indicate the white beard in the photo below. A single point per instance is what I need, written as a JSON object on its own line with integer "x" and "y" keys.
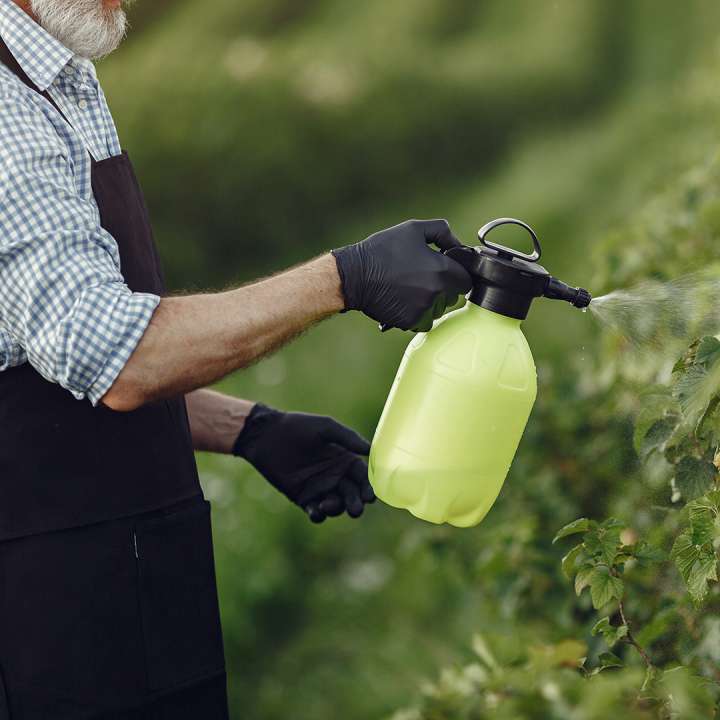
{"x": 85, "y": 27}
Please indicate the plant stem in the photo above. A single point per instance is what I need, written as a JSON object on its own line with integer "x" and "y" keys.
{"x": 631, "y": 638}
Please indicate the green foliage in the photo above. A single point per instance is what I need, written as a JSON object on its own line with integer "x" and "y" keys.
{"x": 646, "y": 584}
{"x": 694, "y": 548}
{"x": 550, "y": 682}
{"x": 612, "y": 634}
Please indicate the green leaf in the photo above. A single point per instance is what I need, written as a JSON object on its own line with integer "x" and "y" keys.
{"x": 601, "y": 626}
{"x": 580, "y": 525}
{"x": 707, "y": 426}
{"x": 694, "y": 477}
{"x": 702, "y": 524}
{"x": 582, "y": 579}
{"x": 604, "y": 587}
{"x": 611, "y": 633}
{"x": 689, "y": 383}
{"x": 656, "y": 437}
{"x": 659, "y": 408}
{"x": 704, "y": 570}
{"x": 604, "y": 541}
{"x": 697, "y": 564}
{"x": 609, "y": 660}
{"x": 710, "y": 501}
{"x": 684, "y": 552}
{"x": 568, "y": 562}
{"x": 708, "y": 350}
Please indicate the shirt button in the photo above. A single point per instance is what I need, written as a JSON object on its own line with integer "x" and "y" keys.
{"x": 69, "y": 70}
{"x": 82, "y": 104}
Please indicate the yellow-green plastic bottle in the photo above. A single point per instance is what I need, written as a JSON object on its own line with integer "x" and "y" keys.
{"x": 464, "y": 392}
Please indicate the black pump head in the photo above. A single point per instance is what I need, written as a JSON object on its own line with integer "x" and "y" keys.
{"x": 506, "y": 281}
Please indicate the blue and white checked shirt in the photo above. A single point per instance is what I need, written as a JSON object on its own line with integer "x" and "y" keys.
{"x": 64, "y": 306}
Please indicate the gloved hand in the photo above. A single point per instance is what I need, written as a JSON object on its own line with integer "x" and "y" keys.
{"x": 396, "y": 279}
{"x": 313, "y": 460}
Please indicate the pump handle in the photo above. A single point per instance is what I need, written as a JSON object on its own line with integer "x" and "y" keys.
{"x": 506, "y": 251}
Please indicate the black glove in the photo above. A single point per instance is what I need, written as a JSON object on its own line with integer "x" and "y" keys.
{"x": 311, "y": 459}
{"x": 396, "y": 279}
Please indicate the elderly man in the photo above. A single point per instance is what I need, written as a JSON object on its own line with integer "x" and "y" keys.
{"x": 108, "y": 605}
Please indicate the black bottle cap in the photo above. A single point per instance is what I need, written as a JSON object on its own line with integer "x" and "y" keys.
{"x": 506, "y": 281}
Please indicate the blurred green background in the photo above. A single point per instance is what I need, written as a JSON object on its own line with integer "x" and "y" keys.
{"x": 268, "y": 131}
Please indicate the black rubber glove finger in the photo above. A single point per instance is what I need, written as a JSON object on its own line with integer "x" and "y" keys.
{"x": 457, "y": 279}
{"x": 332, "y": 505}
{"x": 324, "y": 479}
{"x": 315, "y": 513}
{"x": 358, "y": 473}
{"x": 465, "y": 256}
{"x": 439, "y": 306}
{"x": 451, "y": 300}
{"x": 425, "y": 323}
{"x": 439, "y": 233}
{"x": 351, "y": 495}
{"x": 346, "y": 437}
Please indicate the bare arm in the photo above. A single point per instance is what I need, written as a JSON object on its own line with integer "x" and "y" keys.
{"x": 216, "y": 420}
{"x": 195, "y": 340}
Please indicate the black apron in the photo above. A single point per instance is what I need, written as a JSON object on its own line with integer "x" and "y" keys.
{"x": 107, "y": 585}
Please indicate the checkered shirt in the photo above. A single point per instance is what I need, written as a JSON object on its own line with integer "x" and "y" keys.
{"x": 64, "y": 305}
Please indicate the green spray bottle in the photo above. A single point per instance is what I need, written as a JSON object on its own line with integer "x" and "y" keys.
{"x": 464, "y": 391}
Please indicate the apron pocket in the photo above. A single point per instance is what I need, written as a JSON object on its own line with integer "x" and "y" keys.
{"x": 178, "y": 597}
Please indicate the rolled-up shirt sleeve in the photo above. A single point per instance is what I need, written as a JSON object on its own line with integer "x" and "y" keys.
{"x": 63, "y": 299}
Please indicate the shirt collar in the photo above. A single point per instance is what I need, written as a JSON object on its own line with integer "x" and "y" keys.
{"x": 38, "y": 53}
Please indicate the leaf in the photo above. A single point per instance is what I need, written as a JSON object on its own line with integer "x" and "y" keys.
{"x": 609, "y": 660}
{"x": 658, "y": 406}
{"x": 656, "y": 437}
{"x": 684, "y": 552}
{"x": 604, "y": 541}
{"x": 707, "y": 425}
{"x": 582, "y": 579}
{"x": 703, "y": 571}
{"x": 689, "y": 384}
{"x": 708, "y": 350}
{"x": 694, "y": 477}
{"x": 710, "y": 501}
{"x": 613, "y": 524}
{"x": 580, "y": 525}
{"x": 604, "y": 587}
{"x": 611, "y": 633}
{"x": 601, "y": 626}
{"x": 702, "y": 524}
{"x": 696, "y": 563}
{"x": 568, "y": 562}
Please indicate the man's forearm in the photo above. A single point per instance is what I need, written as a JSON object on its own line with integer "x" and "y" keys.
{"x": 216, "y": 420}
{"x": 194, "y": 341}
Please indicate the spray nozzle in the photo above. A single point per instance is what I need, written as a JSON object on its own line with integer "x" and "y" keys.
{"x": 506, "y": 281}
{"x": 558, "y": 290}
